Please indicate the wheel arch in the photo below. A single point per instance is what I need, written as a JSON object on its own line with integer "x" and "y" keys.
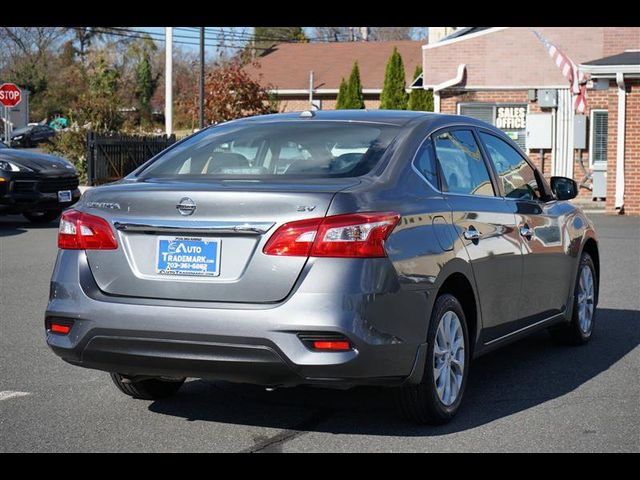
{"x": 461, "y": 287}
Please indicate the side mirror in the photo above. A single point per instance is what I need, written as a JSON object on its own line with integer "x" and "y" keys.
{"x": 564, "y": 188}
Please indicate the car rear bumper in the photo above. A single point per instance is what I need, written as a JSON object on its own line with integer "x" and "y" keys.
{"x": 245, "y": 343}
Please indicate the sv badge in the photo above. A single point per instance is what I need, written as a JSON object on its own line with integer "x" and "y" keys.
{"x": 306, "y": 208}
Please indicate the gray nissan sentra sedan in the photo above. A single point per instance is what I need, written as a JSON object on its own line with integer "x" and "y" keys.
{"x": 335, "y": 248}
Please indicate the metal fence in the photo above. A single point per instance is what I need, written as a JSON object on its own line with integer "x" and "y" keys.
{"x": 111, "y": 157}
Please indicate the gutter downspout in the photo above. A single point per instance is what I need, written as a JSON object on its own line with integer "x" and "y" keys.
{"x": 622, "y": 103}
{"x": 447, "y": 84}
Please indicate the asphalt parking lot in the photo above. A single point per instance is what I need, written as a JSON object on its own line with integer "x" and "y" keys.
{"x": 532, "y": 396}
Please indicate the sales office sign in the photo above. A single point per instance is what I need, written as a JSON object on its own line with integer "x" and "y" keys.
{"x": 511, "y": 118}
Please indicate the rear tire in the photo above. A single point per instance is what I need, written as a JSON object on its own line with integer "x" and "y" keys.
{"x": 422, "y": 403}
{"x": 46, "y": 216}
{"x": 149, "y": 389}
{"x": 580, "y": 329}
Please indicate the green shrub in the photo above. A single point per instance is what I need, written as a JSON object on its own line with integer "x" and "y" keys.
{"x": 71, "y": 144}
{"x": 420, "y": 99}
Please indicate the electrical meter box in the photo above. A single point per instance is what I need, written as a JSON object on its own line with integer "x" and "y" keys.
{"x": 580, "y": 132}
{"x": 539, "y": 130}
{"x": 547, "y": 98}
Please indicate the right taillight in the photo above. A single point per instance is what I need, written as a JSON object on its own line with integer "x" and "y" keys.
{"x": 83, "y": 231}
{"x": 356, "y": 235}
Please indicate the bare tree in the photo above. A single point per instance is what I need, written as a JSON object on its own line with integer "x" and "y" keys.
{"x": 83, "y": 37}
{"x": 391, "y": 33}
{"x": 30, "y": 41}
{"x": 345, "y": 34}
{"x": 333, "y": 34}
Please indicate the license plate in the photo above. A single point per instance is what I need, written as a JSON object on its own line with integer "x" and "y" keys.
{"x": 188, "y": 256}
{"x": 64, "y": 196}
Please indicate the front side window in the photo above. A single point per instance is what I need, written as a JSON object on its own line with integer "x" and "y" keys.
{"x": 516, "y": 175}
{"x": 461, "y": 164}
{"x": 256, "y": 150}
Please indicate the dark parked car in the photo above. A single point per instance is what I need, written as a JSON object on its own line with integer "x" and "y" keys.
{"x": 31, "y": 135}
{"x": 331, "y": 248}
{"x": 36, "y": 185}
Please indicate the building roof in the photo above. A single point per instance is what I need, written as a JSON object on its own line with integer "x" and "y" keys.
{"x": 287, "y": 67}
{"x": 630, "y": 57}
{"x": 626, "y": 63}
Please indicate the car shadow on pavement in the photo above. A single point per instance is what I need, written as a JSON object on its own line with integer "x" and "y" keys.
{"x": 12, "y": 225}
{"x": 518, "y": 377}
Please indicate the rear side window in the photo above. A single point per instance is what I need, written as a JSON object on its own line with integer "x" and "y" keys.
{"x": 255, "y": 150}
{"x": 426, "y": 162}
{"x": 462, "y": 166}
{"x": 516, "y": 175}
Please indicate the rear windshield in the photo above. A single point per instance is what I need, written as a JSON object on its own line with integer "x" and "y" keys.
{"x": 313, "y": 149}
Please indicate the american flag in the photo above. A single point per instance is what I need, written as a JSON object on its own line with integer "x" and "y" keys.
{"x": 576, "y": 78}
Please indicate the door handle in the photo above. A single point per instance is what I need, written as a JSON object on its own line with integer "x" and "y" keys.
{"x": 526, "y": 232}
{"x": 471, "y": 234}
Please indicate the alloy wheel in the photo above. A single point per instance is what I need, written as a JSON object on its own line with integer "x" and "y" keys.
{"x": 448, "y": 358}
{"x": 585, "y": 299}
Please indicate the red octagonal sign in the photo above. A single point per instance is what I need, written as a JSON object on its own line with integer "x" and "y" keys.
{"x": 10, "y": 95}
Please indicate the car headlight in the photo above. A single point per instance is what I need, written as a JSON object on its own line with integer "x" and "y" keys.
{"x": 18, "y": 137}
{"x": 7, "y": 166}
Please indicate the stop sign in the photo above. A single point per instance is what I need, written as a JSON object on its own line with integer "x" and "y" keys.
{"x": 10, "y": 95}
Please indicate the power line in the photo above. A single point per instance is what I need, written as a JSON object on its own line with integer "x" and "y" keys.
{"x": 132, "y": 33}
{"x": 155, "y": 36}
{"x": 252, "y": 36}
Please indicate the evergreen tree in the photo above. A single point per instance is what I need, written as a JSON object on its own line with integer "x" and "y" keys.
{"x": 145, "y": 80}
{"x": 146, "y": 84}
{"x": 354, "y": 96}
{"x": 420, "y": 99}
{"x": 394, "y": 96}
{"x": 342, "y": 95}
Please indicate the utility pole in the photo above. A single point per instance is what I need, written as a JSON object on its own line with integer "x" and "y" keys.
{"x": 201, "y": 78}
{"x": 168, "y": 82}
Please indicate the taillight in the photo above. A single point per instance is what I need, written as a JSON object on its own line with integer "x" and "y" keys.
{"x": 82, "y": 231}
{"x": 293, "y": 239}
{"x": 356, "y": 235}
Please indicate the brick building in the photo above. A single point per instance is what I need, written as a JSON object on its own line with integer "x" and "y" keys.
{"x": 285, "y": 71}
{"x": 505, "y": 76}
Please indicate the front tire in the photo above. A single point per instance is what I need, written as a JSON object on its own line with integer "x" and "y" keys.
{"x": 437, "y": 398}
{"x": 149, "y": 389}
{"x": 579, "y": 330}
{"x": 42, "y": 217}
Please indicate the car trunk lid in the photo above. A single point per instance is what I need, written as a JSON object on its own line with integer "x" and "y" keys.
{"x": 231, "y": 221}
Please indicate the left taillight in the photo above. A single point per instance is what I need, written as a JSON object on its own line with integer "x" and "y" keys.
{"x": 83, "y": 231}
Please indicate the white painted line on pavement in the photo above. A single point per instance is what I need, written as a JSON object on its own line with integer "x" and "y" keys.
{"x": 7, "y": 394}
